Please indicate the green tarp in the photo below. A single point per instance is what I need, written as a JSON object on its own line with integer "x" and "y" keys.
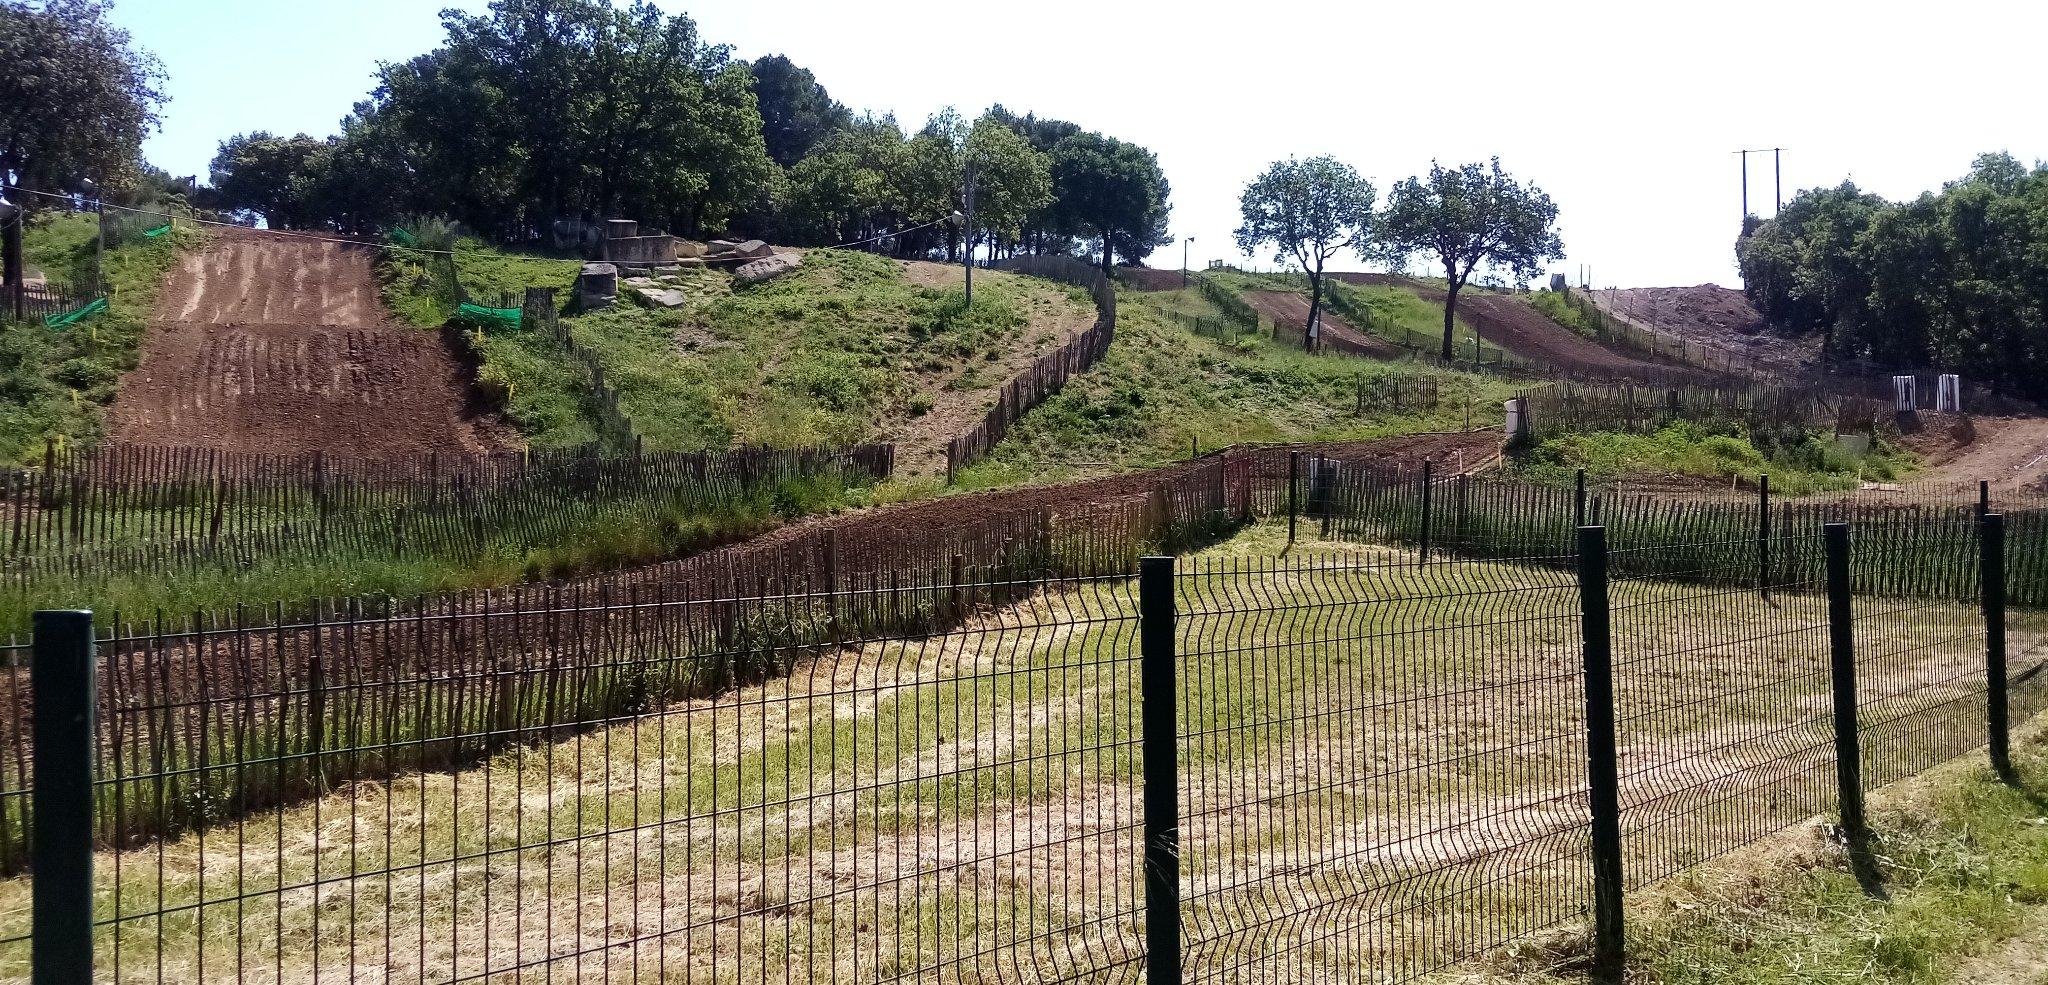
{"x": 508, "y": 317}
{"x": 158, "y": 231}
{"x": 75, "y": 315}
{"x": 402, "y": 238}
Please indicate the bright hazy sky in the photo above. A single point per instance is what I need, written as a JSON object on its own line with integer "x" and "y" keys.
{"x": 1626, "y": 113}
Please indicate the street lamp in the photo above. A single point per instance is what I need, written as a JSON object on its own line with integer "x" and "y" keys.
{"x": 1184, "y": 262}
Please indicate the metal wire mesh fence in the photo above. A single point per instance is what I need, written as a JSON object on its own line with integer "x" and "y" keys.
{"x": 1248, "y": 770}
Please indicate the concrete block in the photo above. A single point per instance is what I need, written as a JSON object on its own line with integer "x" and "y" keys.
{"x": 662, "y": 297}
{"x": 767, "y": 268}
{"x": 689, "y": 248}
{"x": 754, "y": 248}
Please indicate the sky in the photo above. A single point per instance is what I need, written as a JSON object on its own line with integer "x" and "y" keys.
{"x": 1627, "y": 114}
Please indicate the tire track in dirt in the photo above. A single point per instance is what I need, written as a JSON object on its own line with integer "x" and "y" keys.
{"x": 277, "y": 344}
{"x": 1288, "y": 308}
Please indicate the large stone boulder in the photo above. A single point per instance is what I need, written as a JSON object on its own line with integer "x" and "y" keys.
{"x": 662, "y": 297}
{"x": 754, "y": 248}
{"x": 767, "y": 268}
{"x": 597, "y": 286}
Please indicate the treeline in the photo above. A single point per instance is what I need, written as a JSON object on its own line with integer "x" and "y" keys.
{"x": 1953, "y": 280}
{"x": 537, "y": 111}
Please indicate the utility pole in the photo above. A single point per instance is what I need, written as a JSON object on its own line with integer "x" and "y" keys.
{"x": 967, "y": 236}
{"x": 1745, "y": 187}
{"x": 99, "y": 244}
{"x": 1184, "y": 261}
{"x": 11, "y": 216}
{"x": 1778, "y": 179}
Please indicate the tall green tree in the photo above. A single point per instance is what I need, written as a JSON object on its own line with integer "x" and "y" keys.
{"x": 1307, "y": 212}
{"x": 1112, "y": 191}
{"x": 274, "y": 177}
{"x": 1467, "y": 216}
{"x": 543, "y": 109}
{"x": 796, "y": 112}
{"x": 76, "y": 99}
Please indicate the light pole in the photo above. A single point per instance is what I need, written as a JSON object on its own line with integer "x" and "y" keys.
{"x": 1184, "y": 261}
{"x": 99, "y": 245}
{"x": 967, "y": 236}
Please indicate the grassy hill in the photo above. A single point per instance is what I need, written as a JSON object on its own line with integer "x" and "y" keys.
{"x": 56, "y": 384}
{"x": 1163, "y": 389}
{"x": 851, "y": 347}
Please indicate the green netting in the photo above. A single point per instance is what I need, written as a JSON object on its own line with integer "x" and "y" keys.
{"x": 402, "y": 238}
{"x": 75, "y": 315}
{"x": 158, "y": 231}
{"x": 508, "y": 317}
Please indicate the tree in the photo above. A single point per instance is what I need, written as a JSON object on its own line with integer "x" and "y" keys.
{"x": 544, "y": 109}
{"x": 1113, "y": 191}
{"x": 1307, "y": 211}
{"x": 1467, "y": 216}
{"x": 796, "y": 112}
{"x": 76, "y": 99}
{"x": 271, "y": 176}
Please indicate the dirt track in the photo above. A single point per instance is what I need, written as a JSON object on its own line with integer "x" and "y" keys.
{"x": 1291, "y": 309}
{"x": 270, "y": 344}
{"x": 1717, "y": 318}
{"x": 2011, "y": 452}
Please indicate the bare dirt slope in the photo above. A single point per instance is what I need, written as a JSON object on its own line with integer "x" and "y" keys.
{"x": 268, "y": 343}
{"x": 1291, "y": 309}
{"x": 1718, "y": 318}
{"x": 1149, "y": 279}
{"x": 1523, "y": 331}
{"x": 2010, "y": 452}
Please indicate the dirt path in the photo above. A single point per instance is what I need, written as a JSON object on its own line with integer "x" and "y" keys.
{"x": 1719, "y": 319}
{"x": 271, "y": 344}
{"x": 2012, "y": 452}
{"x": 1291, "y": 309}
{"x": 1052, "y": 319}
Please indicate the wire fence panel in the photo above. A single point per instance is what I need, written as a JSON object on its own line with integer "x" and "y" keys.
{"x": 715, "y": 804}
{"x": 1722, "y": 708}
{"x": 1383, "y": 765}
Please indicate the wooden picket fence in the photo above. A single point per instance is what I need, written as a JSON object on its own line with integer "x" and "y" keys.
{"x": 1050, "y": 372}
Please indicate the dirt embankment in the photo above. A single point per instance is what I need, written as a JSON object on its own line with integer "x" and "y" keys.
{"x": 1148, "y": 279}
{"x": 1510, "y": 323}
{"x": 1712, "y": 317}
{"x": 1291, "y": 310}
{"x": 270, "y": 343}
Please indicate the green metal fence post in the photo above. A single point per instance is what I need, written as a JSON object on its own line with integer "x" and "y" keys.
{"x": 1842, "y": 651}
{"x": 1293, "y": 492}
{"x": 62, "y": 678}
{"x": 1763, "y": 536}
{"x": 1602, "y": 770}
{"x": 1991, "y": 561}
{"x": 1160, "y": 750}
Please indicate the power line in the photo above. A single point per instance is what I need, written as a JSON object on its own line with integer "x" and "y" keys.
{"x": 317, "y": 238}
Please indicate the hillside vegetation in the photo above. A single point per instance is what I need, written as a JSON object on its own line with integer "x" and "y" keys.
{"x": 1163, "y": 390}
{"x": 849, "y": 348}
{"x": 55, "y": 384}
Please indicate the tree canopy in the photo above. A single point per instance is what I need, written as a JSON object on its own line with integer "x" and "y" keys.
{"x": 534, "y": 111}
{"x": 796, "y": 112}
{"x": 76, "y": 97}
{"x": 1308, "y": 211}
{"x": 1954, "y": 279}
{"x": 1469, "y": 216}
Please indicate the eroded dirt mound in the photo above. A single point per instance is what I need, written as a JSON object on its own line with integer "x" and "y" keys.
{"x": 267, "y": 343}
{"x": 1522, "y": 330}
{"x": 1708, "y": 315}
{"x": 1148, "y": 279}
{"x": 1291, "y": 309}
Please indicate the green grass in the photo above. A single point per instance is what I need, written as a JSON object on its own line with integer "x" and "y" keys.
{"x": 1963, "y": 859}
{"x": 531, "y": 539}
{"x": 1162, "y": 389}
{"x": 845, "y": 350}
{"x": 56, "y": 385}
{"x": 998, "y": 764}
{"x": 1553, "y": 306}
{"x": 1799, "y": 464}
